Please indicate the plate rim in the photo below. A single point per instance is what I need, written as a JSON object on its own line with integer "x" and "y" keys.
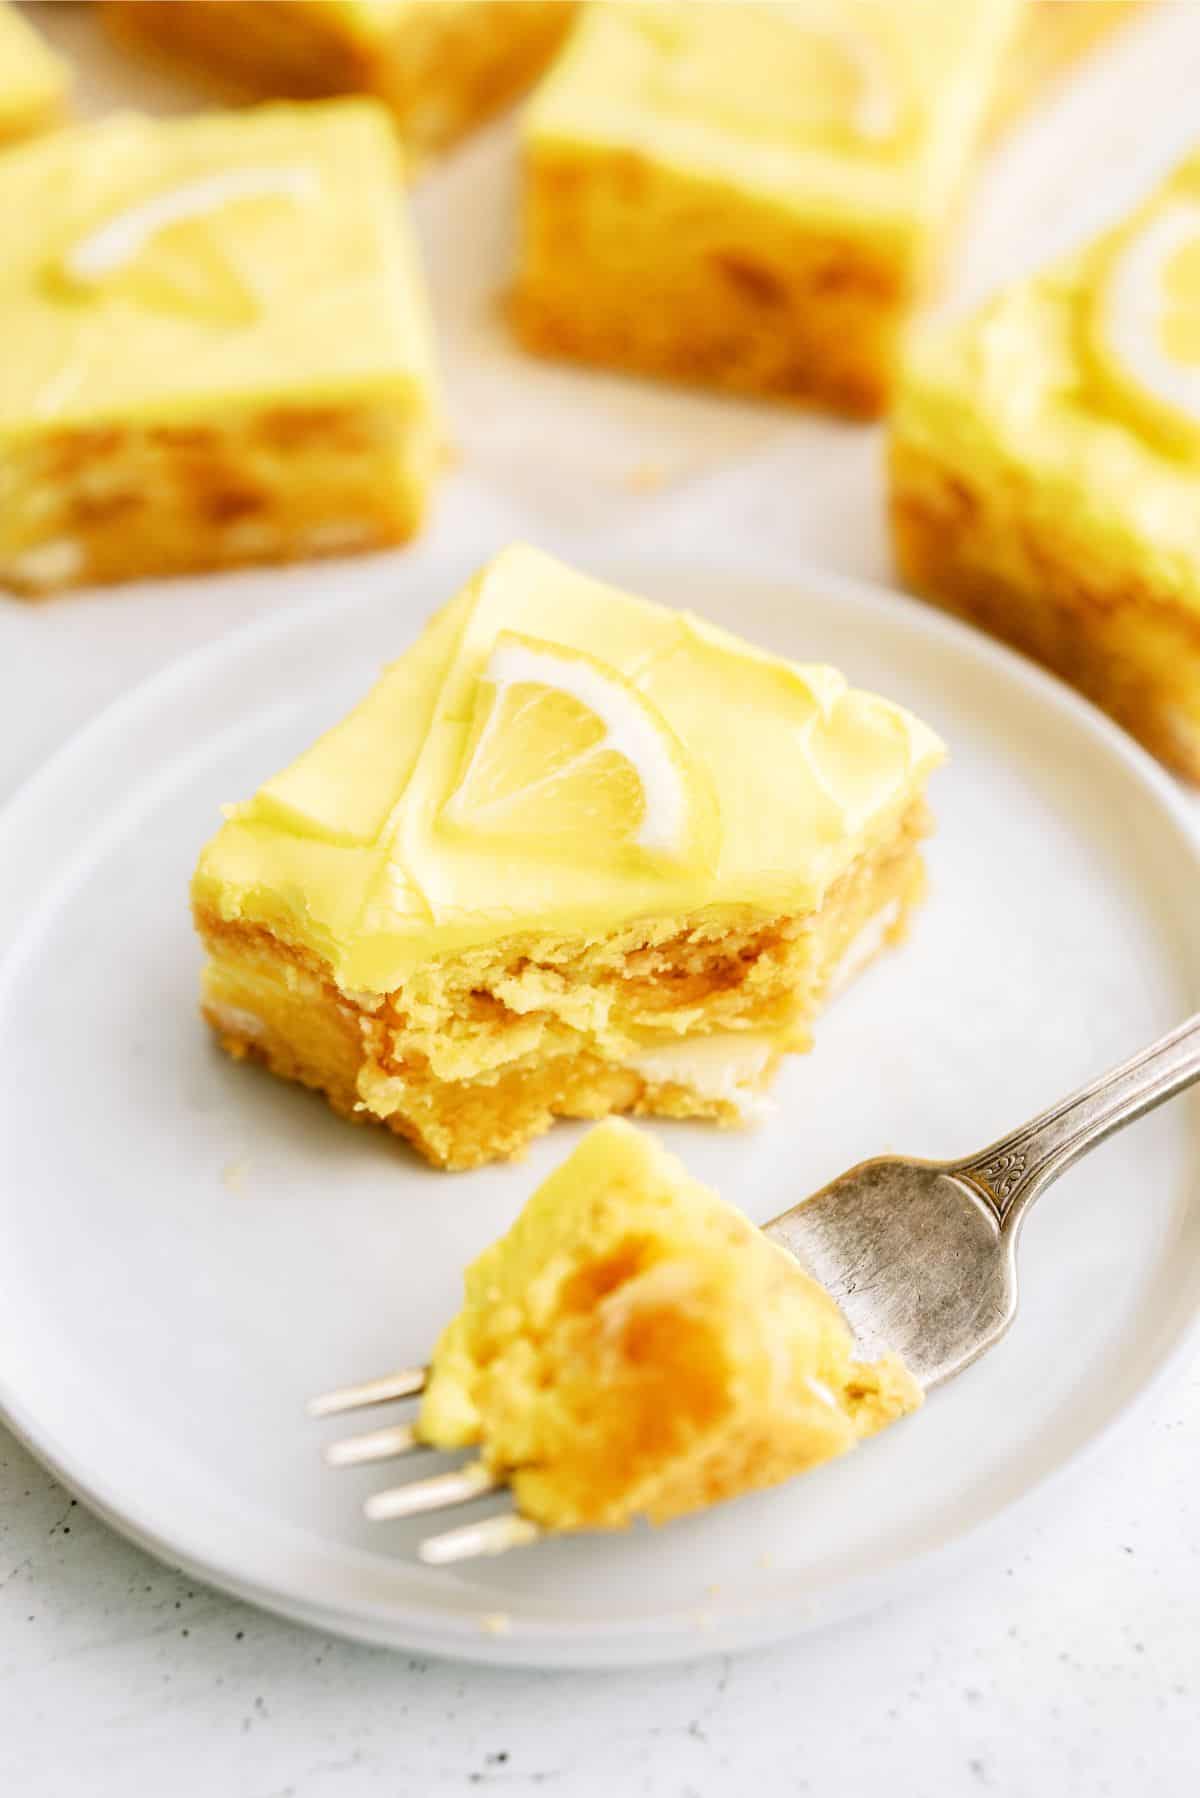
{"x": 584, "y": 1642}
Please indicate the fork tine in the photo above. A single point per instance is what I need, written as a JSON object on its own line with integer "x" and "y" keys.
{"x": 373, "y": 1445}
{"x": 454, "y": 1488}
{"x": 406, "y": 1382}
{"x": 494, "y": 1536}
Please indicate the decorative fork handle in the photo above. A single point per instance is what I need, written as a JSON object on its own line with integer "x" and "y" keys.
{"x": 1012, "y": 1172}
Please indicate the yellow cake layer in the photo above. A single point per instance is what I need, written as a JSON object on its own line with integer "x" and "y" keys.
{"x": 750, "y": 196}
{"x": 633, "y": 1347}
{"x": 475, "y": 1054}
{"x": 217, "y": 345}
{"x": 440, "y": 66}
{"x": 1036, "y": 493}
{"x": 34, "y": 82}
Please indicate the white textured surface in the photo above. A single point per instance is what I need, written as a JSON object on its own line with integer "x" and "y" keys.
{"x": 1071, "y": 1666}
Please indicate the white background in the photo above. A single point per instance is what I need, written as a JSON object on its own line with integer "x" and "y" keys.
{"x": 1069, "y": 1663}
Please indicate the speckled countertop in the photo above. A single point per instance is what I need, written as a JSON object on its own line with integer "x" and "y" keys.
{"x": 1069, "y": 1667}
{"x": 1065, "y": 1662}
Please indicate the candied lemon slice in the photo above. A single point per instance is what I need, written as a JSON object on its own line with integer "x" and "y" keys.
{"x": 564, "y": 753}
{"x": 800, "y": 72}
{"x": 164, "y": 253}
{"x": 1145, "y": 323}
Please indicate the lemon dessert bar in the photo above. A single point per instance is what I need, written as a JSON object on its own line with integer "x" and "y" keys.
{"x": 750, "y": 196}
{"x": 216, "y": 346}
{"x": 574, "y": 853}
{"x": 33, "y": 81}
{"x": 1045, "y": 469}
{"x": 440, "y": 66}
{"x": 635, "y": 1348}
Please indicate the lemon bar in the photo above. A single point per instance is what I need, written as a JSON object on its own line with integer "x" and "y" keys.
{"x": 440, "y": 66}
{"x": 216, "y": 346}
{"x": 1045, "y": 469}
{"x": 635, "y": 1348}
{"x": 33, "y": 81}
{"x": 574, "y": 853}
{"x": 750, "y": 196}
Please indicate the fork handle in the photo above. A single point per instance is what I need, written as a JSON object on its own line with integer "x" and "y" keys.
{"x": 1012, "y": 1172}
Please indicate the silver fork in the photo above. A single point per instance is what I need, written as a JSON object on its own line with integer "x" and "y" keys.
{"x": 920, "y": 1255}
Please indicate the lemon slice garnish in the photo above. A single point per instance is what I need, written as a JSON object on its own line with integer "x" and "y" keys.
{"x": 164, "y": 252}
{"x": 1145, "y": 323}
{"x": 565, "y": 755}
{"x": 800, "y": 72}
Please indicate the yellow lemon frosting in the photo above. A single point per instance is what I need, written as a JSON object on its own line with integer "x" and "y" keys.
{"x": 1085, "y": 377}
{"x": 154, "y": 267}
{"x": 33, "y": 80}
{"x": 634, "y": 1347}
{"x": 772, "y": 778}
{"x": 835, "y": 110}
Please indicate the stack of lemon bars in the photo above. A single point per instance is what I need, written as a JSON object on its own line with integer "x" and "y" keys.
{"x": 574, "y": 853}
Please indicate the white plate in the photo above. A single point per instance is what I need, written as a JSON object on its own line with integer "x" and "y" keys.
{"x": 191, "y": 1248}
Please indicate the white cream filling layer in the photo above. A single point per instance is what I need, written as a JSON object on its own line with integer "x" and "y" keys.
{"x": 865, "y": 947}
{"x": 236, "y": 1019}
{"x": 50, "y": 564}
{"x": 725, "y": 1066}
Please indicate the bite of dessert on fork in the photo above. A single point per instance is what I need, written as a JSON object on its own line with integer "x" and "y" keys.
{"x": 633, "y": 1347}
